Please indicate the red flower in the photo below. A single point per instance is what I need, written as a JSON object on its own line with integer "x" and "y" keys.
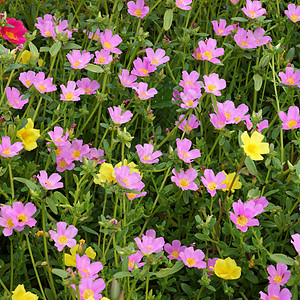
{"x": 14, "y": 34}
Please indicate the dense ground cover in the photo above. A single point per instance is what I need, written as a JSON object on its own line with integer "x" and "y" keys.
{"x": 149, "y": 150}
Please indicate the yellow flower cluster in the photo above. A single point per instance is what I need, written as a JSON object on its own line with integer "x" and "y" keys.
{"x": 227, "y": 269}
{"x": 20, "y": 294}
{"x": 29, "y": 135}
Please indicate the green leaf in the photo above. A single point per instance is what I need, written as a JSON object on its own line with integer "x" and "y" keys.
{"x": 214, "y": 103}
{"x": 239, "y": 19}
{"x": 94, "y": 68}
{"x": 251, "y": 166}
{"x": 51, "y": 205}
{"x": 282, "y": 258}
{"x": 201, "y": 237}
{"x": 257, "y": 82}
{"x": 30, "y": 184}
{"x": 168, "y": 271}
{"x": 61, "y": 273}
{"x": 49, "y": 294}
{"x": 33, "y": 49}
{"x": 44, "y": 49}
{"x": 71, "y": 46}
{"x": 168, "y": 18}
{"x": 122, "y": 275}
{"x": 89, "y": 230}
{"x": 55, "y": 48}
{"x": 61, "y": 198}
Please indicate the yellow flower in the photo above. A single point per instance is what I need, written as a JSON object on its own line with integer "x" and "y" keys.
{"x": 70, "y": 260}
{"x": 227, "y": 269}
{"x": 131, "y": 165}
{"x": 20, "y": 294}
{"x": 106, "y": 174}
{"x": 253, "y": 145}
{"x": 29, "y": 135}
{"x": 236, "y": 185}
{"x": 26, "y": 56}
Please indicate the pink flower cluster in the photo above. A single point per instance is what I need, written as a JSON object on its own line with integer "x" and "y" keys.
{"x": 251, "y": 40}
{"x": 207, "y": 51}
{"x": 9, "y": 150}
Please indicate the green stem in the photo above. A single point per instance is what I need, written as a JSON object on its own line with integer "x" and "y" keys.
{"x": 11, "y": 265}
{"x": 37, "y": 109}
{"x": 11, "y": 182}
{"x": 4, "y": 287}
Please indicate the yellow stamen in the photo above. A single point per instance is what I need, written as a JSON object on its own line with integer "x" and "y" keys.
{"x": 242, "y": 221}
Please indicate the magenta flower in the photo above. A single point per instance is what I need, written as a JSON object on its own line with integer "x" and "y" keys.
{"x": 110, "y": 42}
{"x": 233, "y": 115}
{"x": 212, "y": 182}
{"x": 64, "y": 162}
{"x": 117, "y": 116}
{"x": 21, "y": 215}
{"x": 280, "y": 275}
{"x": 142, "y": 67}
{"x": 70, "y": 93}
{"x": 14, "y": 98}
{"x": 213, "y": 84}
{"x": 253, "y": 9}
{"x": 50, "y": 183}
{"x": 127, "y": 80}
{"x": 290, "y": 77}
{"x": 64, "y": 236}
{"x": 134, "y": 259}
{"x": 260, "y": 201}
{"x": 184, "y": 4}
{"x": 149, "y": 243}
{"x": 27, "y": 78}
{"x": 103, "y": 57}
{"x": 46, "y": 25}
{"x": 174, "y": 250}
{"x": 261, "y": 39}
{"x": 274, "y": 293}
{"x": 158, "y": 57}
{"x": 193, "y": 258}
{"x": 244, "y": 213}
{"x": 90, "y": 289}
{"x": 143, "y": 93}
{"x": 87, "y": 269}
{"x": 218, "y": 120}
{"x": 207, "y": 51}
{"x": 184, "y": 153}
{"x": 6, "y": 220}
{"x": 130, "y": 181}
{"x": 245, "y": 39}
{"x": 291, "y": 120}
{"x": 296, "y": 242}
{"x": 185, "y": 180}
{"x": 89, "y": 87}
{"x": 138, "y": 9}
{"x": 9, "y": 150}
{"x": 57, "y": 136}
{"x": 79, "y": 60}
{"x": 211, "y": 264}
{"x": 95, "y": 155}
{"x": 190, "y": 99}
{"x": 221, "y": 29}
{"x": 43, "y": 85}
{"x": 78, "y": 150}
{"x": 193, "y": 123}
{"x": 94, "y": 35}
{"x": 146, "y": 154}
{"x": 293, "y": 12}
{"x": 190, "y": 81}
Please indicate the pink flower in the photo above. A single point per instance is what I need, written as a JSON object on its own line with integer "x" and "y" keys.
{"x": 233, "y": 115}
{"x": 245, "y": 39}
{"x": 146, "y": 154}
{"x": 280, "y": 275}
{"x": 43, "y": 85}
{"x": 244, "y": 213}
{"x": 221, "y": 29}
{"x": 64, "y": 236}
{"x": 27, "y": 78}
{"x": 117, "y": 116}
{"x": 213, "y": 84}
{"x": 158, "y": 57}
{"x": 185, "y": 180}
{"x": 296, "y": 242}
{"x": 94, "y": 35}
{"x": 291, "y": 120}
{"x": 261, "y": 39}
{"x": 50, "y": 183}
{"x": 143, "y": 93}
{"x": 9, "y": 150}
{"x": 95, "y": 155}
{"x": 57, "y": 136}
{"x": 253, "y": 9}
{"x": 211, "y": 264}
{"x": 293, "y": 12}
{"x": 134, "y": 259}
{"x": 46, "y": 25}
{"x": 79, "y": 60}
{"x": 290, "y": 77}
{"x": 174, "y": 250}
{"x": 70, "y": 93}
{"x": 6, "y": 220}
{"x": 129, "y": 181}
{"x": 184, "y": 153}
{"x": 14, "y": 98}
{"x": 193, "y": 123}
{"x": 87, "y": 269}
{"x": 142, "y": 67}
{"x": 190, "y": 99}
{"x": 193, "y": 258}
{"x": 21, "y": 215}
{"x": 64, "y": 162}
{"x": 207, "y": 51}
{"x": 89, "y": 87}
{"x": 212, "y": 182}
{"x": 110, "y": 42}
{"x": 218, "y": 120}
{"x": 127, "y": 80}
{"x": 78, "y": 150}
{"x": 103, "y": 57}
{"x": 150, "y": 244}
{"x": 14, "y": 34}
{"x": 260, "y": 201}
{"x": 90, "y": 289}
{"x": 190, "y": 81}
{"x": 138, "y": 9}
{"x": 274, "y": 293}
{"x": 184, "y": 4}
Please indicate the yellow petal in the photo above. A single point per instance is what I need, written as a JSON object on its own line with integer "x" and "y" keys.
{"x": 90, "y": 253}
{"x": 263, "y": 148}
{"x": 70, "y": 260}
{"x": 245, "y": 138}
{"x": 256, "y": 138}
{"x": 18, "y": 292}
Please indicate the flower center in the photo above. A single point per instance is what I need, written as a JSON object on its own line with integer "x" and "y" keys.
{"x": 47, "y": 32}
{"x": 77, "y": 63}
{"x": 9, "y": 223}
{"x": 62, "y": 164}
{"x": 48, "y": 183}
{"x": 76, "y": 154}
{"x": 57, "y": 152}
{"x": 241, "y": 221}
{"x": 11, "y": 36}
{"x": 277, "y": 278}
{"x": 86, "y": 271}
{"x": 62, "y": 240}
{"x": 290, "y": 124}
{"x": 274, "y": 298}
{"x": 237, "y": 119}
{"x": 227, "y": 115}
{"x": 175, "y": 253}
{"x": 107, "y": 45}
{"x": 126, "y": 181}
{"x": 155, "y": 61}
{"x": 144, "y": 94}
{"x": 290, "y": 80}
{"x": 189, "y": 82}
{"x": 87, "y": 90}
{"x": 211, "y": 87}
{"x": 294, "y": 17}
{"x": 146, "y": 157}
{"x": 42, "y": 87}
{"x": 208, "y": 54}
{"x": 244, "y": 43}
{"x": 149, "y": 247}
{"x": 188, "y": 128}
{"x": 87, "y": 294}
{"x": 221, "y": 30}
{"x": 101, "y": 60}
{"x": 131, "y": 195}
{"x": 69, "y": 96}
{"x": 138, "y": 12}
{"x": 184, "y": 182}
{"x": 143, "y": 70}
{"x": 185, "y": 154}
{"x": 130, "y": 263}
{"x": 28, "y": 82}
{"x": 191, "y": 262}
{"x": 58, "y": 140}
{"x": 212, "y": 186}
{"x": 189, "y": 103}
{"x": 6, "y": 151}
{"x": 252, "y": 14}
{"x": 22, "y": 218}
{"x": 198, "y": 55}
{"x": 252, "y": 148}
